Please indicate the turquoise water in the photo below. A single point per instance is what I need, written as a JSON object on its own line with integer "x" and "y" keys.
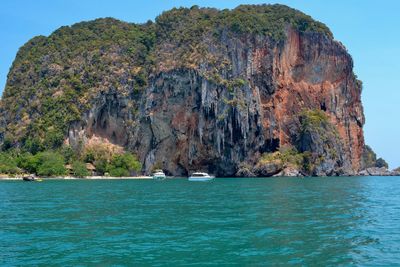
{"x": 253, "y": 222}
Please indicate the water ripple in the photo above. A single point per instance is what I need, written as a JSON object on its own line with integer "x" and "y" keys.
{"x": 315, "y": 221}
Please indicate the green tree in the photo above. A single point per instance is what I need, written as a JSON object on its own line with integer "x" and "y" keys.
{"x": 8, "y": 164}
{"x": 381, "y": 163}
{"x": 118, "y": 172}
{"x": 7, "y": 144}
{"x": 89, "y": 157}
{"x": 123, "y": 165}
{"x": 53, "y": 139}
{"x": 79, "y": 169}
{"x": 368, "y": 157}
{"x": 33, "y": 145}
{"x": 68, "y": 153}
{"x": 101, "y": 166}
{"x": 28, "y": 162}
{"x": 50, "y": 164}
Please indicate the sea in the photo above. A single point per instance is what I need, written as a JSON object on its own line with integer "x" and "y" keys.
{"x": 317, "y": 221}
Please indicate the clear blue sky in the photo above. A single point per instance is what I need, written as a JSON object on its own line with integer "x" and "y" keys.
{"x": 369, "y": 29}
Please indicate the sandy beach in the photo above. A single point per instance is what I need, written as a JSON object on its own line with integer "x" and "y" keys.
{"x": 82, "y": 178}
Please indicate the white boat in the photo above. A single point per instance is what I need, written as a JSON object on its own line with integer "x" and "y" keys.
{"x": 200, "y": 176}
{"x": 159, "y": 175}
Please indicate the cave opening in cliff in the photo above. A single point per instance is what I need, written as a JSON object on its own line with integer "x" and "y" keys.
{"x": 108, "y": 125}
{"x": 270, "y": 145}
{"x": 323, "y": 106}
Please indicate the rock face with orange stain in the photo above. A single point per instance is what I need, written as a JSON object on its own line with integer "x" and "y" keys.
{"x": 199, "y": 90}
{"x": 191, "y": 123}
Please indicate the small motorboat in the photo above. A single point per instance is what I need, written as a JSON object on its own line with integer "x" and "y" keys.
{"x": 29, "y": 178}
{"x": 200, "y": 176}
{"x": 159, "y": 175}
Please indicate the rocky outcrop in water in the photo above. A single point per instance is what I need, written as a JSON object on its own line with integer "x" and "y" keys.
{"x": 378, "y": 171}
{"x": 373, "y": 166}
{"x": 199, "y": 89}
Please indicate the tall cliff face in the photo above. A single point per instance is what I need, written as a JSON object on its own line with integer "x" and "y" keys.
{"x": 198, "y": 89}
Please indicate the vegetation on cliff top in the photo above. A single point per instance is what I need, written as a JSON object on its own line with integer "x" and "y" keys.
{"x": 184, "y": 24}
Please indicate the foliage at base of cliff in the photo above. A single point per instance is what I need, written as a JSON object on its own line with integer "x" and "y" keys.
{"x": 8, "y": 164}
{"x": 287, "y": 156}
{"x": 318, "y": 150}
{"x": 65, "y": 161}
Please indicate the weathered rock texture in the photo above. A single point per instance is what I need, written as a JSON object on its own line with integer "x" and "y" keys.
{"x": 376, "y": 171}
{"x": 220, "y": 100}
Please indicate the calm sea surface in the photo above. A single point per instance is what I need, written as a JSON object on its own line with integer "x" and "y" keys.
{"x": 253, "y": 222}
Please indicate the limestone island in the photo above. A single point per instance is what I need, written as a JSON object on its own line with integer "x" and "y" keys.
{"x": 256, "y": 91}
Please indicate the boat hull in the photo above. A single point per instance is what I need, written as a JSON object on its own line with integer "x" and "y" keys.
{"x": 200, "y": 179}
{"x": 159, "y": 177}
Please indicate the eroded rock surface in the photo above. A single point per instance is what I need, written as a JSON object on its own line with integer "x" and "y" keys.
{"x": 375, "y": 171}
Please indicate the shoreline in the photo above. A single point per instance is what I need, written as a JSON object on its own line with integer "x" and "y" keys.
{"x": 19, "y": 178}
{"x": 82, "y": 178}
